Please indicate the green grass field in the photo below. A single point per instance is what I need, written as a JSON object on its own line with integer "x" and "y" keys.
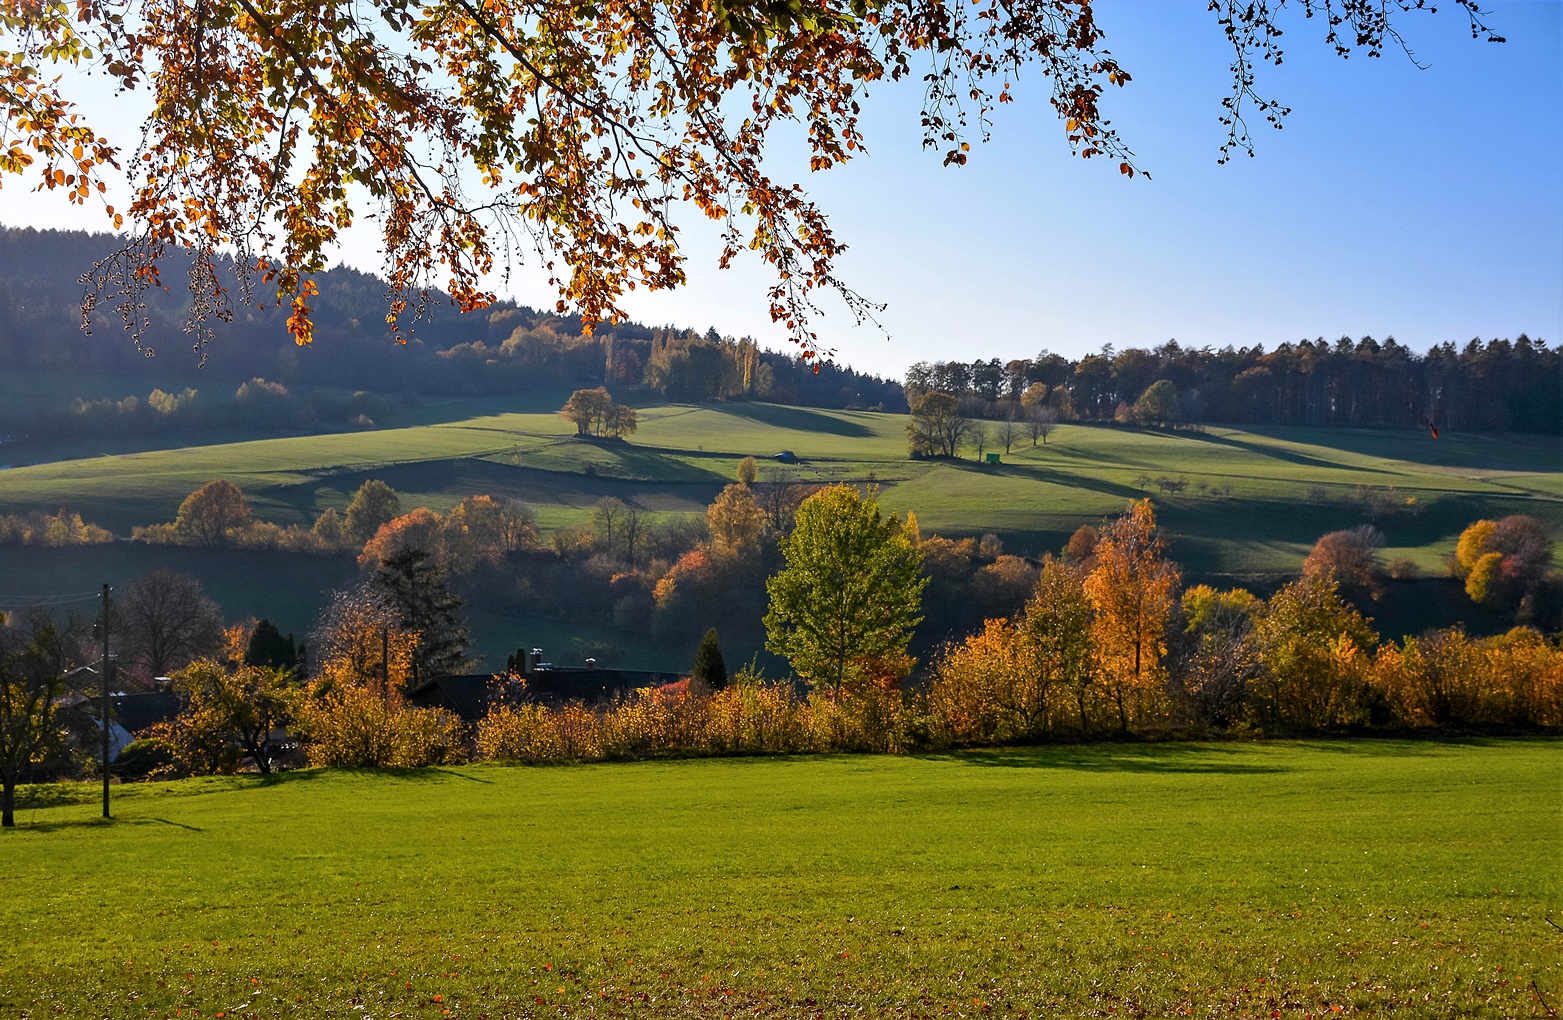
{"x": 1372, "y": 878}
{"x": 1256, "y": 500}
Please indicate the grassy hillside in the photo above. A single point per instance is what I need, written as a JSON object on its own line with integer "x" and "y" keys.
{"x": 1255, "y": 500}
{"x": 1256, "y": 880}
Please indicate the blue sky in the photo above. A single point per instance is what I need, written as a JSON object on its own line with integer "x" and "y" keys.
{"x": 1424, "y": 204}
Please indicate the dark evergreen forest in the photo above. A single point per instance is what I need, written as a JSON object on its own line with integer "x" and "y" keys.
{"x": 1492, "y": 386}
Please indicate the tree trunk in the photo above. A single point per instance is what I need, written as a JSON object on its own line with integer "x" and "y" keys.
{"x": 8, "y": 804}
{"x": 258, "y": 752}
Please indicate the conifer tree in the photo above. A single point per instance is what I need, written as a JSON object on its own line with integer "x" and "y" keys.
{"x": 709, "y": 666}
{"x": 429, "y": 610}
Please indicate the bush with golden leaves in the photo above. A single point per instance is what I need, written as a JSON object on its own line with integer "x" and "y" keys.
{"x": 1314, "y": 659}
{"x": 56, "y": 529}
{"x": 1447, "y": 679}
{"x": 750, "y": 716}
{"x": 974, "y": 681}
{"x": 358, "y": 728}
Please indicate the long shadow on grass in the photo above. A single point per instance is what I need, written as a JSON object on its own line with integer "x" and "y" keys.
{"x": 1275, "y": 453}
{"x": 1486, "y": 451}
{"x": 63, "y": 825}
{"x": 1051, "y": 475}
{"x": 1162, "y": 758}
{"x": 1406, "y": 746}
{"x": 799, "y": 419}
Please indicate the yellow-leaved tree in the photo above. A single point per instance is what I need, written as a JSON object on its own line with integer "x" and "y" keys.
{"x": 354, "y": 712}
{"x": 1132, "y": 589}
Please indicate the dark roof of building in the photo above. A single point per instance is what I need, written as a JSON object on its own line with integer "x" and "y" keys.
{"x": 136, "y": 712}
{"x": 469, "y": 695}
{"x": 558, "y": 683}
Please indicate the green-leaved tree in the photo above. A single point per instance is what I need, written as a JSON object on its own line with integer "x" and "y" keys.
{"x": 851, "y": 591}
{"x": 427, "y": 609}
{"x": 374, "y": 504}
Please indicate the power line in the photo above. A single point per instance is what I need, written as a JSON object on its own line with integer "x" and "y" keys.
{"x": 63, "y": 599}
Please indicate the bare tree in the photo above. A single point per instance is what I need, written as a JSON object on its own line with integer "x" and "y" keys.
{"x": 605, "y": 522}
{"x": 979, "y": 438}
{"x": 633, "y": 530}
{"x": 517, "y": 526}
{"x": 166, "y": 621}
{"x": 1008, "y": 430}
{"x": 939, "y": 426}
{"x": 1041, "y": 420}
{"x": 780, "y": 496}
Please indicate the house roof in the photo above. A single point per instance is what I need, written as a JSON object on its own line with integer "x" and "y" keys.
{"x": 576, "y": 684}
{"x": 136, "y": 712}
{"x": 467, "y": 694}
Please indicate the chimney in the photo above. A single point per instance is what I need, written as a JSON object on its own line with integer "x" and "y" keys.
{"x": 591, "y": 663}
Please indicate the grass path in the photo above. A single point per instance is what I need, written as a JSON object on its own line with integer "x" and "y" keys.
{"x": 1408, "y": 879}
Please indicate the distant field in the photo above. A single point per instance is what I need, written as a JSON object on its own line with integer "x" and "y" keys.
{"x": 1255, "y": 500}
{"x": 1292, "y": 880}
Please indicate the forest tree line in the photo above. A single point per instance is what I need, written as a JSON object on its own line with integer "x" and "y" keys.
{"x": 506, "y": 348}
{"x": 1492, "y": 386}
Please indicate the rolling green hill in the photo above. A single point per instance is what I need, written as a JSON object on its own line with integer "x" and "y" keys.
{"x": 1254, "y": 501}
{"x": 1252, "y": 504}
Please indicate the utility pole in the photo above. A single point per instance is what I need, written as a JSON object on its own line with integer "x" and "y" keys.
{"x": 107, "y": 666}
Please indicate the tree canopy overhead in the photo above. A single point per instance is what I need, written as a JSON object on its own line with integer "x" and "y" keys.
{"x": 473, "y": 130}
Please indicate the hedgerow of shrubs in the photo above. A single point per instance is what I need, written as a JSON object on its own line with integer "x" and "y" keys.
{"x": 750, "y": 716}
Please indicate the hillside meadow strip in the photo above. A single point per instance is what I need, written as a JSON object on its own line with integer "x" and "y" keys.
{"x": 1372, "y": 878}
{"x": 1253, "y": 500}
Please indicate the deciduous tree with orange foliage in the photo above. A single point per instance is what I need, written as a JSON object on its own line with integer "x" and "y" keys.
{"x": 473, "y": 131}
{"x": 1011, "y": 680}
{"x": 360, "y": 642}
{"x": 1132, "y": 589}
{"x": 736, "y": 521}
{"x": 420, "y": 529}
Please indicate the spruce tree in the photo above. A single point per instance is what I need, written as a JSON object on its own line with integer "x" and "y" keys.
{"x": 268, "y": 647}
{"x": 428, "y": 608}
{"x": 709, "y": 666}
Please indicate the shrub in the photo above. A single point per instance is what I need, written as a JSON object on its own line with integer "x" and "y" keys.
{"x": 1446, "y": 679}
{"x": 751, "y": 716}
{"x": 143, "y": 758}
{"x": 356, "y": 727}
{"x": 57, "y": 529}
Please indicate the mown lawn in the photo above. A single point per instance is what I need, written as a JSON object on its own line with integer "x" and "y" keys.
{"x": 1290, "y": 879}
